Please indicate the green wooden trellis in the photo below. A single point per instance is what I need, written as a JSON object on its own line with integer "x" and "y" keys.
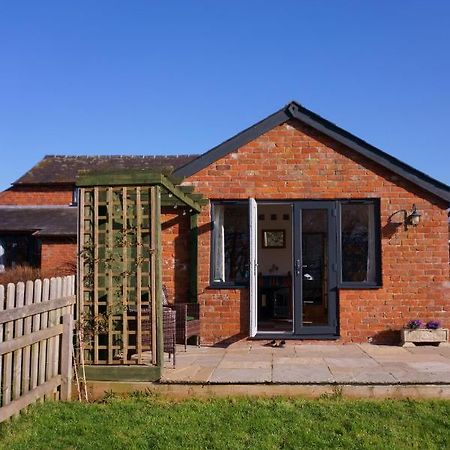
{"x": 119, "y": 276}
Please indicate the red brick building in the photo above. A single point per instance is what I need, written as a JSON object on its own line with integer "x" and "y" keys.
{"x": 336, "y": 252}
{"x": 38, "y": 213}
{"x": 310, "y": 233}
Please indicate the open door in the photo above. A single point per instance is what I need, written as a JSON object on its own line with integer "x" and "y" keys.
{"x": 253, "y": 223}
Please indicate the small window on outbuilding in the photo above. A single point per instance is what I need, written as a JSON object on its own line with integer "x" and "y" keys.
{"x": 360, "y": 243}
{"x": 2, "y": 256}
{"x": 19, "y": 250}
{"x": 230, "y": 244}
{"x": 74, "y": 201}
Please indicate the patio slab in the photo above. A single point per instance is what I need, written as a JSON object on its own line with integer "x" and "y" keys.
{"x": 302, "y": 374}
{"x": 255, "y": 362}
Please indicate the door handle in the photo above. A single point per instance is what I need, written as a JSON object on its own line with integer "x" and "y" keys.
{"x": 298, "y": 267}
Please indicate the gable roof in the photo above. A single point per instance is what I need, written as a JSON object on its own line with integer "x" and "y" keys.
{"x": 59, "y": 169}
{"x": 51, "y": 221}
{"x": 294, "y": 110}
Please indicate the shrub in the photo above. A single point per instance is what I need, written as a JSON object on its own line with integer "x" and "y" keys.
{"x": 26, "y": 273}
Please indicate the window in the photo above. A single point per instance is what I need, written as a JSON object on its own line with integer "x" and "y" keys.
{"x": 360, "y": 243}
{"x": 2, "y": 256}
{"x": 74, "y": 201}
{"x": 230, "y": 244}
{"x": 16, "y": 250}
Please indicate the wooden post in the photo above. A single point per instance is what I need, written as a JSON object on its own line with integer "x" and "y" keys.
{"x": 193, "y": 257}
{"x": 51, "y": 345}
{"x": 36, "y": 327}
{"x": 156, "y": 212}
{"x": 44, "y": 344}
{"x": 125, "y": 238}
{"x": 110, "y": 294}
{"x": 80, "y": 256}
{"x": 153, "y": 260}
{"x": 66, "y": 358}
{"x": 95, "y": 270}
{"x": 29, "y": 288}
{"x": 7, "y": 359}
{"x": 138, "y": 288}
{"x": 57, "y": 320}
{"x": 16, "y": 381}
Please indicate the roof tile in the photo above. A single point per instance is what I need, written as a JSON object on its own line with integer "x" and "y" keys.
{"x": 42, "y": 220}
{"x": 60, "y": 169}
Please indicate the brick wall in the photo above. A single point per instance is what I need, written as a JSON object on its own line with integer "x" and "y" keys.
{"x": 175, "y": 253}
{"x": 56, "y": 254}
{"x": 59, "y": 254}
{"x": 293, "y": 161}
{"x": 37, "y": 195}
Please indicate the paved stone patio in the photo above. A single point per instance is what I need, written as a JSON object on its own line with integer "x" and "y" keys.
{"x": 253, "y": 362}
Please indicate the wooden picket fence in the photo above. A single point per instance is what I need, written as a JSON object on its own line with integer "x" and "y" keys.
{"x": 36, "y": 331}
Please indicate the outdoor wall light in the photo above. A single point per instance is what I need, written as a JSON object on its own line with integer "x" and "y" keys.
{"x": 413, "y": 218}
{"x": 410, "y": 218}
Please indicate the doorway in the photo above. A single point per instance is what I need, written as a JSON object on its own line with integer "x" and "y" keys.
{"x": 275, "y": 267}
{"x": 294, "y": 278}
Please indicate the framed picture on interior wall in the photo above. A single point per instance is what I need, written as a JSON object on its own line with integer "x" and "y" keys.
{"x": 273, "y": 239}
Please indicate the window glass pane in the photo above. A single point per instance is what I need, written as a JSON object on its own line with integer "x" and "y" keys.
{"x": 358, "y": 243}
{"x": 16, "y": 250}
{"x": 315, "y": 267}
{"x": 230, "y": 262}
{"x": 219, "y": 244}
{"x": 2, "y": 256}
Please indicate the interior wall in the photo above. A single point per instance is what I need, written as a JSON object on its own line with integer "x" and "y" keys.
{"x": 274, "y": 261}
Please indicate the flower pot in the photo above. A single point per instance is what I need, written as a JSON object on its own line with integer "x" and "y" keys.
{"x": 424, "y": 336}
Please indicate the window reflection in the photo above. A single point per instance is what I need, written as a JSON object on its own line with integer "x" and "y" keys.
{"x": 358, "y": 243}
{"x": 230, "y": 244}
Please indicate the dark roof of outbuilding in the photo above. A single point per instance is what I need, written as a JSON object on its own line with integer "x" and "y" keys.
{"x": 294, "y": 110}
{"x": 51, "y": 221}
{"x": 59, "y": 169}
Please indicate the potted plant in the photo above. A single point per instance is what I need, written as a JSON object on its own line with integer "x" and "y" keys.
{"x": 416, "y": 333}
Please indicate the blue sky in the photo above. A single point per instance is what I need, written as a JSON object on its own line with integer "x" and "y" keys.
{"x": 168, "y": 77}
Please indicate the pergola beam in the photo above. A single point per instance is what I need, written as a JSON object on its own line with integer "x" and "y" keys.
{"x": 139, "y": 177}
{"x": 178, "y": 193}
{"x": 119, "y": 178}
{"x": 187, "y": 189}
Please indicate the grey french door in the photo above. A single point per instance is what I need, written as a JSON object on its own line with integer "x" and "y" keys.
{"x": 315, "y": 268}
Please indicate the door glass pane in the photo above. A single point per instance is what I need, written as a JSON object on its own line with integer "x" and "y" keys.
{"x": 314, "y": 268}
{"x": 230, "y": 263}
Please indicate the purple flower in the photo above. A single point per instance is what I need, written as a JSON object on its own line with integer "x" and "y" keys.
{"x": 414, "y": 324}
{"x": 433, "y": 324}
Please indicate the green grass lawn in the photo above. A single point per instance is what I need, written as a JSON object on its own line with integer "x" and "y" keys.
{"x": 141, "y": 422}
